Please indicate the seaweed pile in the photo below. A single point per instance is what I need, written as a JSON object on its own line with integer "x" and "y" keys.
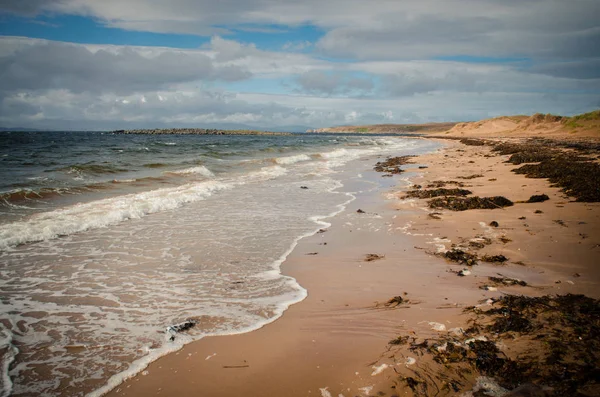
{"x": 392, "y": 164}
{"x": 470, "y": 203}
{"x": 577, "y": 175}
{"x": 538, "y": 198}
{"x": 557, "y": 339}
{"x": 437, "y": 184}
{"x": 436, "y": 193}
{"x": 473, "y": 142}
{"x": 460, "y": 256}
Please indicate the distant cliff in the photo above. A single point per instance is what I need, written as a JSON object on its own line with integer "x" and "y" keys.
{"x": 197, "y": 131}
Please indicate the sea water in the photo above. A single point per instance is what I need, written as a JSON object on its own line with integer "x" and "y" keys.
{"x": 109, "y": 242}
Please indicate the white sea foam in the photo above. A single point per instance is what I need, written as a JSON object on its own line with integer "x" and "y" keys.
{"x": 191, "y": 255}
{"x": 102, "y": 213}
{"x": 292, "y": 159}
{"x": 7, "y": 359}
{"x": 265, "y": 173}
{"x": 337, "y": 153}
{"x": 202, "y": 170}
{"x": 123, "y": 180}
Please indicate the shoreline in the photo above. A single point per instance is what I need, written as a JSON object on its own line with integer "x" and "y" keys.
{"x": 334, "y": 341}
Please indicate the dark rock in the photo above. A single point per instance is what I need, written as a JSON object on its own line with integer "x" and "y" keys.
{"x": 303, "y": 187}
{"x": 360, "y": 211}
{"x": 494, "y": 224}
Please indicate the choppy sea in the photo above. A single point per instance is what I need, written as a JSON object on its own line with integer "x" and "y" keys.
{"x": 118, "y": 249}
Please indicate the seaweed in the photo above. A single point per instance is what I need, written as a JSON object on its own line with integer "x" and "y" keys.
{"x": 436, "y": 193}
{"x": 494, "y": 258}
{"x": 538, "y": 198}
{"x": 392, "y": 164}
{"x": 401, "y": 340}
{"x": 507, "y": 281}
{"x": 577, "y": 175}
{"x": 460, "y": 256}
{"x": 437, "y": 184}
{"x": 469, "y": 203}
{"x": 562, "y": 335}
{"x": 576, "y": 178}
{"x": 470, "y": 176}
{"x": 472, "y": 142}
{"x": 373, "y": 257}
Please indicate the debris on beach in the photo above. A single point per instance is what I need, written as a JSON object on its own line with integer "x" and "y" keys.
{"x": 470, "y": 176}
{"x": 464, "y": 272}
{"x": 379, "y": 369}
{"x": 470, "y": 203}
{"x": 373, "y": 257}
{"x": 436, "y": 193}
{"x": 460, "y": 256}
{"x": 488, "y": 288}
{"x": 494, "y": 258}
{"x": 172, "y": 330}
{"x": 392, "y": 164}
{"x": 561, "y": 335}
{"x": 437, "y": 326}
{"x": 401, "y": 340}
{"x": 396, "y": 301}
{"x": 507, "y": 281}
{"x": 538, "y": 198}
{"x": 435, "y": 215}
{"x": 438, "y": 184}
{"x": 578, "y": 175}
{"x": 359, "y": 211}
{"x": 479, "y": 242}
{"x": 472, "y": 142}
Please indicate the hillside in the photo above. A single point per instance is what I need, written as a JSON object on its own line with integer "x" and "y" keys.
{"x": 546, "y": 125}
{"x": 387, "y": 128}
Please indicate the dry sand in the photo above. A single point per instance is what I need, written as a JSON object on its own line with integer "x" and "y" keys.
{"x": 335, "y": 343}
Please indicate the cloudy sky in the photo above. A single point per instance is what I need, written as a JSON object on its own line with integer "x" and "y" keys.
{"x": 277, "y": 64}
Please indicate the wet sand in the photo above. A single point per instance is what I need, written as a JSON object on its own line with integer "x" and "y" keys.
{"x": 335, "y": 342}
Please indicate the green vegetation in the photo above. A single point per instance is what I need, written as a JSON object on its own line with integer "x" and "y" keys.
{"x": 576, "y": 121}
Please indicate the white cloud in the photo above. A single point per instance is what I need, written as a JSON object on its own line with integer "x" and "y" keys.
{"x": 374, "y": 62}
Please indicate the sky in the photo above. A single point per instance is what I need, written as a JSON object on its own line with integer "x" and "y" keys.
{"x": 291, "y": 64}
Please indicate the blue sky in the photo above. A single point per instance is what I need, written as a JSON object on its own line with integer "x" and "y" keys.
{"x": 85, "y": 64}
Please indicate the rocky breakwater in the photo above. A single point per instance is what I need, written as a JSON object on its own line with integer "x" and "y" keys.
{"x": 197, "y": 131}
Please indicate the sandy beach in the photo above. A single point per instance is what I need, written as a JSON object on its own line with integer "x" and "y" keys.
{"x": 337, "y": 341}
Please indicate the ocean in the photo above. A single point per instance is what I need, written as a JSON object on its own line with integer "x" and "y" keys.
{"x": 118, "y": 249}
